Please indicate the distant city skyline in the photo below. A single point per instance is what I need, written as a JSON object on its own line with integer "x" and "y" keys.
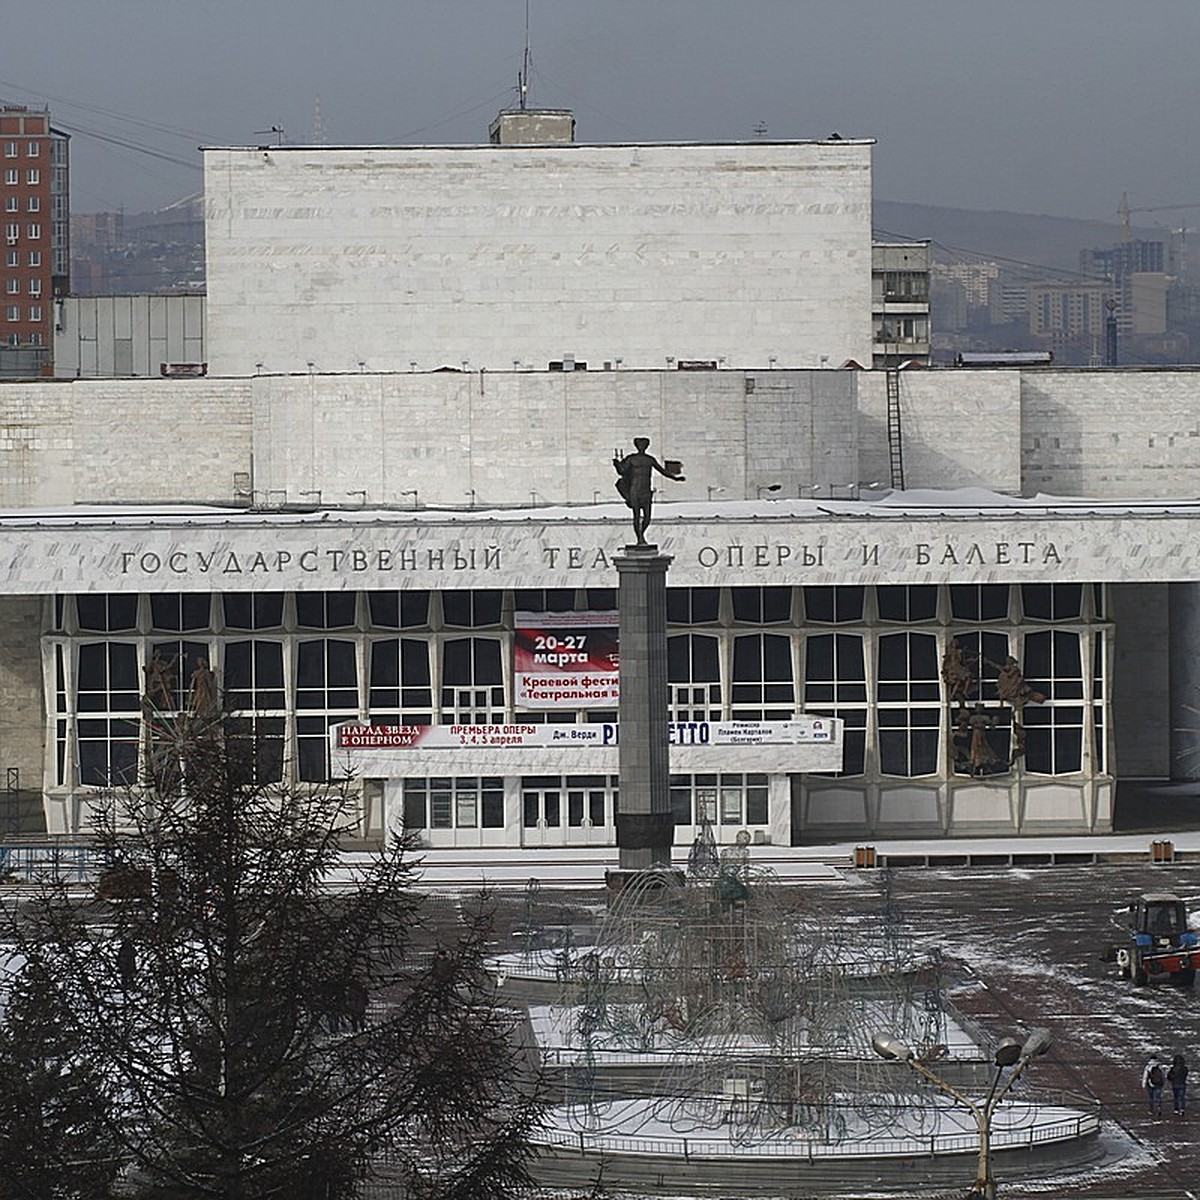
{"x": 1054, "y": 107}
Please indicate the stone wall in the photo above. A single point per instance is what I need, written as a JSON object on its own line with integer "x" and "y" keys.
{"x": 1113, "y": 433}
{"x": 755, "y": 253}
{"x": 128, "y": 440}
{"x": 958, "y": 429}
{"x": 537, "y": 437}
{"x": 533, "y": 438}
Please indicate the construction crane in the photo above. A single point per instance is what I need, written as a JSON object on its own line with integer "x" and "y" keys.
{"x": 1124, "y": 209}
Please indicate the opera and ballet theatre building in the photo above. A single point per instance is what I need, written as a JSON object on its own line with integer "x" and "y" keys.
{"x": 381, "y": 527}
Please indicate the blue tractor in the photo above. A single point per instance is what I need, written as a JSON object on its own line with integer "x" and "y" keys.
{"x": 1159, "y": 946}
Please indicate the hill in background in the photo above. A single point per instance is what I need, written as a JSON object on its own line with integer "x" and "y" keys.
{"x": 1053, "y": 243}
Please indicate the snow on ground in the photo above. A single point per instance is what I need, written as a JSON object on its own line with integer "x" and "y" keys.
{"x": 864, "y": 1126}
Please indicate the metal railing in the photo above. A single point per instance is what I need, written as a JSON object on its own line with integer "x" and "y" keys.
{"x": 796, "y": 1146}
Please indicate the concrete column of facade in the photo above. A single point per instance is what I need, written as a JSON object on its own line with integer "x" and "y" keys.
{"x": 644, "y": 826}
{"x": 1183, "y": 620}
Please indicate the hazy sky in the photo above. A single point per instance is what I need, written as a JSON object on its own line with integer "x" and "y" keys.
{"x": 1035, "y": 106}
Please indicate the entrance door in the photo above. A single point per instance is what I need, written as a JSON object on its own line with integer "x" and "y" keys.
{"x": 575, "y": 810}
{"x": 542, "y": 811}
{"x": 589, "y": 812}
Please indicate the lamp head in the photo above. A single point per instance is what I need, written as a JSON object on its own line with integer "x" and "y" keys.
{"x": 889, "y": 1048}
{"x": 1036, "y": 1044}
{"x": 1008, "y": 1052}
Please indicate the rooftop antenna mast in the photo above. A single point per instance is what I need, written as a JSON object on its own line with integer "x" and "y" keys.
{"x": 523, "y": 78}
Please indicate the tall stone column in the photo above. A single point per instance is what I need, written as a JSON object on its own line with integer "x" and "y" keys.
{"x": 644, "y": 826}
{"x": 1183, "y": 663}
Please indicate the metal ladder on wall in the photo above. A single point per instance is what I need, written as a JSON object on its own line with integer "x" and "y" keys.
{"x": 895, "y": 440}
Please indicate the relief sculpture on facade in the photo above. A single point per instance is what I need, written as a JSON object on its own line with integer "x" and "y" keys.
{"x": 985, "y": 741}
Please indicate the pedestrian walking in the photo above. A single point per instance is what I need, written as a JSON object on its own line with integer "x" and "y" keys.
{"x": 1177, "y": 1078}
{"x": 1154, "y": 1078}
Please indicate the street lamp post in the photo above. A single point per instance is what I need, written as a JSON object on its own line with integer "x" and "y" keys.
{"x": 1009, "y": 1053}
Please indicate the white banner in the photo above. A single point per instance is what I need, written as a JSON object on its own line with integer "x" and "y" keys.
{"x": 800, "y": 731}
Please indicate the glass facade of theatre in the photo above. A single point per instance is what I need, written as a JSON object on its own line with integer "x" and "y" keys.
{"x": 290, "y": 665}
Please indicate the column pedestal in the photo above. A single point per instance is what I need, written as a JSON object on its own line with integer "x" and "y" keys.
{"x": 645, "y": 830}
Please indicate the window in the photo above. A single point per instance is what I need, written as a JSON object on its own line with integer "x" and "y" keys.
{"x": 398, "y": 610}
{"x": 907, "y": 287}
{"x": 254, "y": 695}
{"x": 833, "y": 605}
{"x": 254, "y": 676}
{"x": 907, "y": 603}
{"x": 12, "y": 258}
{"x": 326, "y": 675}
{"x": 1054, "y": 728}
{"x": 33, "y": 231}
{"x": 12, "y": 231}
{"x": 168, "y": 672}
{"x": 253, "y": 610}
{"x": 325, "y": 610}
{"x": 255, "y": 745}
{"x": 326, "y": 694}
{"x": 106, "y": 613}
{"x": 14, "y": 339}
{"x": 35, "y": 258}
{"x": 35, "y": 287}
{"x": 12, "y": 286}
{"x": 179, "y": 612}
{"x": 12, "y": 312}
{"x": 469, "y": 610}
{"x": 32, "y": 176}
{"x": 32, "y": 150}
{"x": 1052, "y": 601}
{"x": 108, "y": 700}
{"x": 468, "y": 802}
{"x": 10, "y": 149}
{"x": 762, "y": 688}
{"x": 972, "y": 665}
{"x": 762, "y": 606}
{"x": 33, "y": 204}
{"x": 35, "y": 312}
{"x": 693, "y": 606}
{"x": 909, "y": 705}
{"x": 399, "y": 689}
{"x": 544, "y": 600}
{"x": 694, "y": 677}
{"x": 979, "y": 601}
{"x": 725, "y": 799}
{"x": 12, "y": 204}
{"x": 472, "y": 681}
{"x": 35, "y": 339}
{"x": 835, "y": 686}
{"x": 11, "y": 176}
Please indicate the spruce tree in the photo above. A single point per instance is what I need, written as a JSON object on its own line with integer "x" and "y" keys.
{"x": 257, "y": 1018}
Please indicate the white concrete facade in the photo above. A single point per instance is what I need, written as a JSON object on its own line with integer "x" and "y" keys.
{"x": 344, "y": 530}
{"x": 746, "y": 255}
